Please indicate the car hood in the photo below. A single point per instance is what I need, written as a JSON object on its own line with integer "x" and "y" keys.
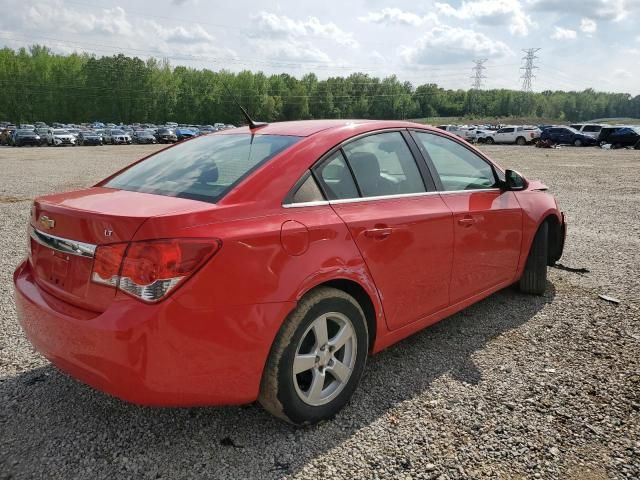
{"x": 63, "y": 136}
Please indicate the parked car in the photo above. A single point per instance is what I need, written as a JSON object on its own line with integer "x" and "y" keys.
{"x": 144, "y": 137}
{"x": 625, "y": 137}
{"x": 184, "y": 133}
{"x": 165, "y": 135}
{"x": 519, "y": 135}
{"x": 567, "y": 136}
{"x": 455, "y": 129}
{"x": 480, "y": 135}
{"x": 207, "y": 129}
{"x": 88, "y": 137}
{"x": 24, "y": 137}
{"x": 606, "y": 132}
{"x": 267, "y": 263}
{"x": 115, "y": 136}
{"x": 75, "y": 132}
{"x": 42, "y": 133}
{"x": 57, "y": 137}
{"x": 591, "y": 129}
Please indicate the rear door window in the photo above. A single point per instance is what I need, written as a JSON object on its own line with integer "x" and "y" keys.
{"x": 383, "y": 165}
{"x": 204, "y": 169}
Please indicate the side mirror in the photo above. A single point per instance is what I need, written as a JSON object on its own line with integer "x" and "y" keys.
{"x": 514, "y": 181}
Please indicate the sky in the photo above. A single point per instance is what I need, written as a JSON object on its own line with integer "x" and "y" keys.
{"x": 583, "y": 43}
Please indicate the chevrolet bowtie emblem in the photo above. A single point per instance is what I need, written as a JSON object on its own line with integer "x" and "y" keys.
{"x": 47, "y": 222}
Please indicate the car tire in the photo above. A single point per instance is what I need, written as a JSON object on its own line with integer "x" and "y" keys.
{"x": 521, "y": 141}
{"x": 489, "y": 141}
{"x": 292, "y": 397}
{"x": 577, "y": 142}
{"x": 534, "y": 277}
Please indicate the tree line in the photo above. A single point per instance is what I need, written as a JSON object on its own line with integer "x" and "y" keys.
{"x": 39, "y": 85}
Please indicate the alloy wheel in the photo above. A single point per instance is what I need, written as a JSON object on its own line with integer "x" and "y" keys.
{"x": 324, "y": 359}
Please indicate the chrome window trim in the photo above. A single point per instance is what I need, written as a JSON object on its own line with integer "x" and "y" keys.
{"x": 381, "y": 197}
{"x": 305, "y": 204}
{"x": 385, "y": 197}
{"x": 444, "y": 192}
{"x": 63, "y": 245}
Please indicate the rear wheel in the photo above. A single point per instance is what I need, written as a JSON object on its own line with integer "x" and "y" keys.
{"x": 534, "y": 277}
{"x": 577, "y": 142}
{"x": 317, "y": 358}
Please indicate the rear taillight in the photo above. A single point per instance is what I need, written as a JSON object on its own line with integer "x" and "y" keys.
{"x": 149, "y": 270}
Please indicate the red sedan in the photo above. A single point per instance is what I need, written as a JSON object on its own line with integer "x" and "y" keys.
{"x": 267, "y": 263}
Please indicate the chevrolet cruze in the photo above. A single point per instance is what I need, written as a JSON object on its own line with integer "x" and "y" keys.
{"x": 267, "y": 263}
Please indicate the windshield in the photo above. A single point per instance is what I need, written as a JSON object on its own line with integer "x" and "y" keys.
{"x": 205, "y": 168}
{"x": 117, "y": 132}
{"x": 60, "y": 132}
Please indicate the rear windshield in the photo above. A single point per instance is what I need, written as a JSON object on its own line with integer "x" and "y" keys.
{"x": 205, "y": 168}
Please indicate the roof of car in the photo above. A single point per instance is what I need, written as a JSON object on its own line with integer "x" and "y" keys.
{"x": 305, "y": 128}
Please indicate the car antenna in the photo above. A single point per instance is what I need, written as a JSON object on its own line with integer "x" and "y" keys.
{"x": 252, "y": 125}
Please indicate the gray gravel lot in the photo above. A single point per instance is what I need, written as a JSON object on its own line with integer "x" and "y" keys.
{"x": 513, "y": 387}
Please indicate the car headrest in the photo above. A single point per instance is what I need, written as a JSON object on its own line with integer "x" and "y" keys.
{"x": 210, "y": 175}
{"x": 366, "y": 168}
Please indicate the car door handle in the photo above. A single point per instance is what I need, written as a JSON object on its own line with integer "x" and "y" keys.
{"x": 466, "y": 221}
{"x": 378, "y": 232}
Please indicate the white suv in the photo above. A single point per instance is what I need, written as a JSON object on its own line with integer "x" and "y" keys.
{"x": 514, "y": 134}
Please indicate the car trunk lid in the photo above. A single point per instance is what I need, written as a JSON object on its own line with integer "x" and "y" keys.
{"x": 66, "y": 228}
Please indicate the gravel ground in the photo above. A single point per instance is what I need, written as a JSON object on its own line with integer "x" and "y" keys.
{"x": 513, "y": 387}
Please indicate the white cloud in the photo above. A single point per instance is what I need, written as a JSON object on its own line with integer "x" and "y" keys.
{"x": 446, "y": 44}
{"x": 588, "y": 26}
{"x": 43, "y": 16}
{"x": 181, "y": 34}
{"x": 292, "y": 51}
{"x": 492, "y": 12}
{"x": 271, "y": 25}
{"x": 622, "y": 73}
{"x": 560, "y": 33}
{"x": 395, "y": 16}
{"x": 611, "y": 10}
{"x": 376, "y": 57}
{"x": 128, "y": 34}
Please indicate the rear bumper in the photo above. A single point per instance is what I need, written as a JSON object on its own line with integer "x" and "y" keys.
{"x": 172, "y": 353}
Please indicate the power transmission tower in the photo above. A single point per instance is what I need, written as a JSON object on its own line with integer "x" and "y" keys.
{"x": 528, "y": 68}
{"x": 478, "y": 76}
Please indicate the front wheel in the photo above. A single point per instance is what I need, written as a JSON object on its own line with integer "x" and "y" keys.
{"x": 521, "y": 141}
{"x": 577, "y": 142}
{"x": 317, "y": 359}
{"x": 534, "y": 277}
{"x": 490, "y": 141}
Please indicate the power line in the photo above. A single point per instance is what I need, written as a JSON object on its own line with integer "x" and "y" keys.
{"x": 478, "y": 76}
{"x": 528, "y": 68}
